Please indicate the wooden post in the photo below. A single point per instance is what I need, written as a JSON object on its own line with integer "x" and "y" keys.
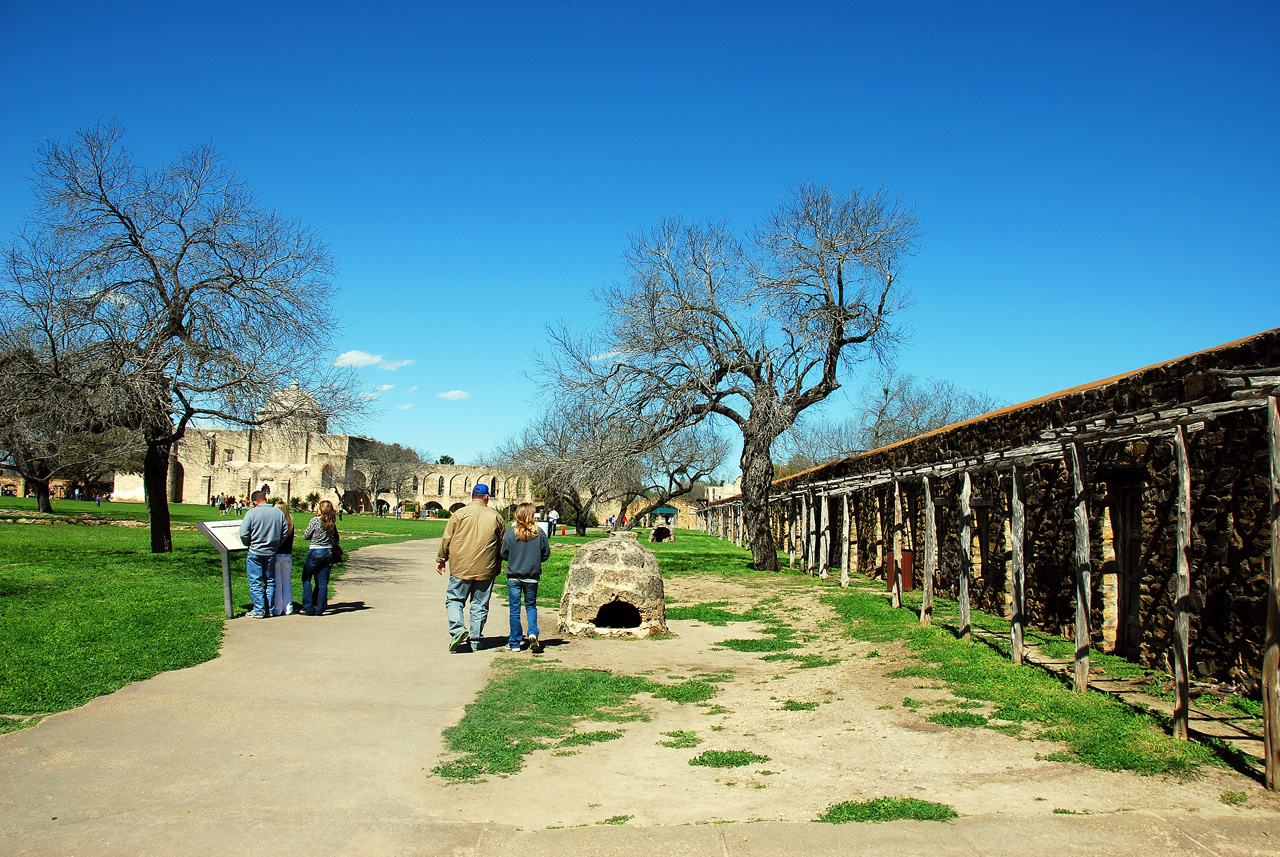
{"x": 1182, "y": 596}
{"x": 1019, "y": 532}
{"x": 966, "y": 553}
{"x": 824, "y": 542}
{"x": 930, "y": 554}
{"x": 1083, "y": 576}
{"x": 1271, "y": 646}
{"x": 897, "y": 543}
{"x": 791, "y": 533}
{"x": 810, "y": 535}
{"x": 847, "y": 526}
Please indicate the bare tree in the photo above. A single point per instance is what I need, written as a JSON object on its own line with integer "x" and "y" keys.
{"x": 207, "y": 303}
{"x": 669, "y": 470}
{"x": 570, "y": 454}
{"x": 892, "y": 407}
{"x": 752, "y": 330}
{"x": 389, "y": 468}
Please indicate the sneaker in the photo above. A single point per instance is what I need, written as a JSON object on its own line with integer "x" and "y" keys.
{"x": 535, "y": 645}
{"x": 515, "y": 648}
{"x": 255, "y": 614}
{"x": 460, "y": 639}
{"x": 475, "y": 647}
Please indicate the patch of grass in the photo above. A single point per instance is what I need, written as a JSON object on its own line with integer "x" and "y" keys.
{"x": 617, "y": 819}
{"x": 582, "y": 739}
{"x": 885, "y": 707}
{"x": 693, "y": 690}
{"x": 804, "y": 662}
{"x": 714, "y": 614}
{"x": 913, "y": 704}
{"x": 957, "y": 719}
{"x": 527, "y": 708}
{"x": 716, "y": 709}
{"x": 681, "y": 740}
{"x": 726, "y": 759}
{"x": 1100, "y": 731}
{"x": 888, "y": 809}
{"x": 1234, "y": 798}
{"x": 1057, "y": 810}
{"x": 792, "y": 705}
{"x": 874, "y": 653}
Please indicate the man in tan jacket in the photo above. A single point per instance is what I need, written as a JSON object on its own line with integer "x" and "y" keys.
{"x": 472, "y": 547}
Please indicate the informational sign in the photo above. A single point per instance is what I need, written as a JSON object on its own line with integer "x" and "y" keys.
{"x": 225, "y": 536}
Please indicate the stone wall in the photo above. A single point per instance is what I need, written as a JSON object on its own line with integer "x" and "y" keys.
{"x": 1131, "y": 488}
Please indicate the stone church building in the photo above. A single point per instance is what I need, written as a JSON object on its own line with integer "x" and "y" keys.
{"x": 295, "y": 456}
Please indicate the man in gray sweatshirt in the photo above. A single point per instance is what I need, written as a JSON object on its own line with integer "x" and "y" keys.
{"x": 262, "y": 530}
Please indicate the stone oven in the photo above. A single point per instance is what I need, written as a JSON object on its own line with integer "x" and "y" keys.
{"x": 614, "y": 589}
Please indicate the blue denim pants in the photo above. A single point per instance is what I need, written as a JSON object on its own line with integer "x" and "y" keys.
{"x": 261, "y": 580}
{"x": 528, "y": 589}
{"x": 315, "y": 579}
{"x": 456, "y": 596}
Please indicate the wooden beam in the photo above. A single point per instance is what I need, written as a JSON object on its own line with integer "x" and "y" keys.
{"x": 824, "y": 537}
{"x": 897, "y": 544}
{"x": 966, "y": 553}
{"x": 1182, "y": 594}
{"x": 1019, "y": 533}
{"x": 847, "y": 526}
{"x": 1271, "y": 647}
{"x": 1082, "y": 576}
{"x": 930, "y": 553}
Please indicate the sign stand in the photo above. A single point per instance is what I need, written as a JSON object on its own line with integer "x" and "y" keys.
{"x": 225, "y": 536}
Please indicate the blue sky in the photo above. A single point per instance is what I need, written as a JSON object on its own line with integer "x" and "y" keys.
{"x": 1099, "y": 183}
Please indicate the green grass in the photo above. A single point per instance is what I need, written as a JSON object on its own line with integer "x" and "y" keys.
{"x": 804, "y": 662}
{"x": 1099, "y": 731}
{"x": 528, "y": 708}
{"x": 617, "y": 819}
{"x": 887, "y": 809}
{"x": 957, "y": 719}
{"x": 582, "y": 739}
{"x": 85, "y": 610}
{"x": 693, "y": 690}
{"x": 1234, "y": 798}
{"x": 726, "y": 759}
{"x": 792, "y": 705}
{"x": 714, "y": 614}
{"x": 681, "y": 740}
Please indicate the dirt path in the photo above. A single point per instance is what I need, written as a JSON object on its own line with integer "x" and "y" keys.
{"x": 317, "y": 736}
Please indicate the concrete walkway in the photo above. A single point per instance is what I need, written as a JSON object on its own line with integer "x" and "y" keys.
{"x": 315, "y": 736}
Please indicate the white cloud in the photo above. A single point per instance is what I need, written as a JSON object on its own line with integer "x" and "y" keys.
{"x": 454, "y": 395}
{"x": 357, "y": 359}
{"x": 369, "y": 396}
{"x": 385, "y": 387}
{"x": 414, "y": 387}
{"x": 362, "y": 359}
{"x": 404, "y": 407}
{"x": 608, "y": 355}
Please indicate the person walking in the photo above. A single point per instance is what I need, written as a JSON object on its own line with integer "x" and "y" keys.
{"x": 525, "y": 548}
{"x": 553, "y": 518}
{"x": 262, "y": 530}
{"x": 322, "y": 534}
{"x": 282, "y": 567}
{"x": 471, "y": 547}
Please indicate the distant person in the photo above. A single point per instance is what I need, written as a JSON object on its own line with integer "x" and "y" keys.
{"x": 282, "y": 567}
{"x": 97, "y": 498}
{"x": 525, "y": 548}
{"x": 322, "y": 533}
{"x": 262, "y": 530}
{"x": 553, "y": 518}
{"x": 471, "y": 546}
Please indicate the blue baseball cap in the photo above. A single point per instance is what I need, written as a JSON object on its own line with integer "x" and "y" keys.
{"x": 480, "y": 488}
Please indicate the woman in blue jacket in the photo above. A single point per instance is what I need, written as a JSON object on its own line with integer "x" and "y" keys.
{"x": 525, "y": 548}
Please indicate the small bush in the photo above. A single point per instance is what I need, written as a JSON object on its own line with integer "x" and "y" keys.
{"x": 887, "y": 809}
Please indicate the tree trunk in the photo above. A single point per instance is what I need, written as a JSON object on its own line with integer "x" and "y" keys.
{"x": 40, "y": 488}
{"x": 155, "y": 483}
{"x": 757, "y": 478}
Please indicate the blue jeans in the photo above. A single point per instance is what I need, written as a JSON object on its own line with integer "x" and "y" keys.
{"x": 260, "y": 581}
{"x": 315, "y": 579}
{"x": 456, "y": 596}
{"x": 529, "y": 589}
